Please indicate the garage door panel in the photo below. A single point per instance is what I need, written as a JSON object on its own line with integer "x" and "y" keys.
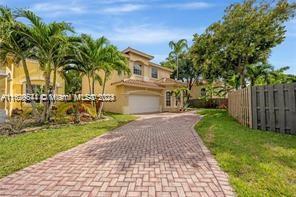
{"x": 143, "y": 104}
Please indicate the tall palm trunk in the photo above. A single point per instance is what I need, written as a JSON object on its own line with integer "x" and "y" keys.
{"x": 89, "y": 84}
{"x": 47, "y": 103}
{"x": 93, "y": 85}
{"x": 29, "y": 86}
{"x": 54, "y": 83}
{"x": 177, "y": 64}
{"x": 103, "y": 91}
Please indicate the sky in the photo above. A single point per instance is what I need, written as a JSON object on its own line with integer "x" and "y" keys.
{"x": 148, "y": 25}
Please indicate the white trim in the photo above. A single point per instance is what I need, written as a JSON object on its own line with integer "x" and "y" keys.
{"x": 156, "y": 71}
{"x": 175, "y": 102}
{"x": 165, "y": 104}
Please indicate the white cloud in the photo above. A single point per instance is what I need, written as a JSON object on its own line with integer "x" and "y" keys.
{"x": 148, "y": 34}
{"x": 189, "y": 5}
{"x": 55, "y": 9}
{"x": 128, "y": 34}
{"x": 125, "y": 8}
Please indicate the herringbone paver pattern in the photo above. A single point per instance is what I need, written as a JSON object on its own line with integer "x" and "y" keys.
{"x": 157, "y": 155}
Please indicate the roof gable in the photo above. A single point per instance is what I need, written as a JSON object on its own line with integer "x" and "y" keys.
{"x": 134, "y": 51}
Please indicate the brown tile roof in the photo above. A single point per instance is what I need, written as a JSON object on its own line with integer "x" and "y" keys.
{"x": 138, "y": 83}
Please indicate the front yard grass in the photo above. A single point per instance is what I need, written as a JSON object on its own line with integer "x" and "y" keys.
{"x": 259, "y": 163}
{"x": 17, "y": 152}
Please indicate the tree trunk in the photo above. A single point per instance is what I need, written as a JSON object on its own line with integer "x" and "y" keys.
{"x": 54, "y": 80}
{"x": 30, "y": 88}
{"x": 243, "y": 79}
{"x": 177, "y": 64}
{"x": 47, "y": 103}
{"x": 103, "y": 91}
{"x": 89, "y": 84}
{"x": 242, "y": 74}
{"x": 93, "y": 85}
{"x": 190, "y": 84}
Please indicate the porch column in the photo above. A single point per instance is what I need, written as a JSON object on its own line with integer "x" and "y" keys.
{"x": 182, "y": 99}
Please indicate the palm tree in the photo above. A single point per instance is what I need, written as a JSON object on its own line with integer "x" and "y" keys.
{"x": 113, "y": 61}
{"x": 47, "y": 40}
{"x": 254, "y": 72}
{"x": 279, "y": 76}
{"x": 73, "y": 82}
{"x": 89, "y": 57}
{"x": 14, "y": 45}
{"x": 178, "y": 48}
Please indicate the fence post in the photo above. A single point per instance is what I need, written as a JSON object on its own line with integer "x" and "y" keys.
{"x": 250, "y": 106}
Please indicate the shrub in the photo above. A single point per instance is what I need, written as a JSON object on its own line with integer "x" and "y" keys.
{"x": 15, "y": 125}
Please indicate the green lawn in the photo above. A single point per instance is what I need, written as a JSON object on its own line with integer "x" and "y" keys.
{"x": 259, "y": 163}
{"x": 17, "y": 152}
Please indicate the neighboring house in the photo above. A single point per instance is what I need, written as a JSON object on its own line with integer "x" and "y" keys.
{"x": 13, "y": 82}
{"x": 148, "y": 88}
{"x": 199, "y": 91}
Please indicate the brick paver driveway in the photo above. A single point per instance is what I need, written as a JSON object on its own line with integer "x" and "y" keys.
{"x": 157, "y": 155}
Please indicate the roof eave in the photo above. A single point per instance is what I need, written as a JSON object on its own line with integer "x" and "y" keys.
{"x": 136, "y": 85}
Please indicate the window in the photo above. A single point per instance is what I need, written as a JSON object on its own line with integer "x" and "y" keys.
{"x": 168, "y": 99}
{"x": 138, "y": 69}
{"x": 203, "y": 92}
{"x": 154, "y": 72}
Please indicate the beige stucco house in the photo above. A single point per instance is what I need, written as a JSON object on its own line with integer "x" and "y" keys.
{"x": 13, "y": 82}
{"x": 148, "y": 89}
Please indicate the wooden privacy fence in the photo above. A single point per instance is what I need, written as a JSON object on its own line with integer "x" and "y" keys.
{"x": 239, "y": 106}
{"x": 271, "y": 108}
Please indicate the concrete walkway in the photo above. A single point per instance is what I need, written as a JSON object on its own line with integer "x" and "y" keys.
{"x": 157, "y": 155}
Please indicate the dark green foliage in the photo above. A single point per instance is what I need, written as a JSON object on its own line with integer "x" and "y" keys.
{"x": 245, "y": 36}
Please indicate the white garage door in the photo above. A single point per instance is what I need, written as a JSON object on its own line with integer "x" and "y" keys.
{"x": 143, "y": 104}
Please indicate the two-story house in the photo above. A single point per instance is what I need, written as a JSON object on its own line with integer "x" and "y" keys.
{"x": 148, "y": 89}
{"x": 13, "y": 82}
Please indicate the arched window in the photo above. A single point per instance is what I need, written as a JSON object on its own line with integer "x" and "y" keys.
{"x": 138, "y": 69}
{"x": 203, "y": 92}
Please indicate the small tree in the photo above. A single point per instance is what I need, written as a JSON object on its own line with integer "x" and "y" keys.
{"x": 178, "y": 49}
{"x": 47, "y": 40}
{"x": 13, "y": 45}
{"x": 112, "y": 61}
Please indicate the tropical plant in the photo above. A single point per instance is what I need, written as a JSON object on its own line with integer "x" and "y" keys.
{"x": 188, "y": 73}
{"x": 113, "y": 60}
{"x": 179, "y": 93}
{"x": 257, "y": 71}
{"x": 47, "y": 40}
{"x": 178, "y": 49}
{"x": 73, "y": 81}
{"x": 279, "y": 76}
{"x": 88, "y": 59}
{"x": 13, "y": 45}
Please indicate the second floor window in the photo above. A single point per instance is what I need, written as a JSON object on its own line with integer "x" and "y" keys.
{"x": 138, "y": 69}
{"x": 154, "y": 73}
